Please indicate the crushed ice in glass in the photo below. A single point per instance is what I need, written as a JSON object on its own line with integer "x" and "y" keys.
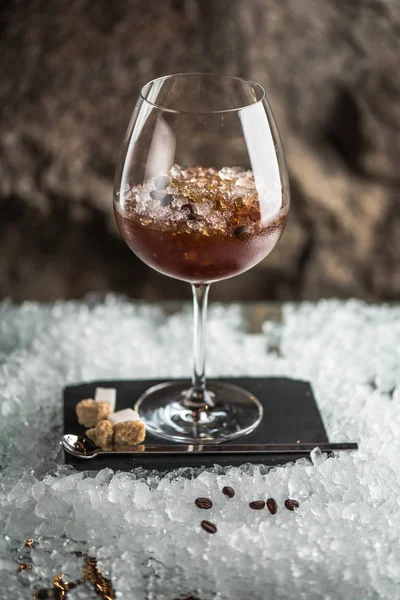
{"x": 144, "y": 528}
{"x": 216, "y": 201}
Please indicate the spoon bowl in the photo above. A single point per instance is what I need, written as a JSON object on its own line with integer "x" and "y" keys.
{"x": 79, "y": 446}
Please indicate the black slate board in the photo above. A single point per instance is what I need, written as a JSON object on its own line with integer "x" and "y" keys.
{"x": 290, "y": 414}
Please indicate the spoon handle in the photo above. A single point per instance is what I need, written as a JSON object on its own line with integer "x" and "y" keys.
{"x": 253, "y": 449}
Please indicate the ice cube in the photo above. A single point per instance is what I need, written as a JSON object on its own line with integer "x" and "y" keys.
{"x": 177, "y": 171}
{"x": 246, "y": 183}
{"x": 230, "y": 173}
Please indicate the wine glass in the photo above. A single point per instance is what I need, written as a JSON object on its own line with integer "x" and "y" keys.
{"x": 201, "y": 194}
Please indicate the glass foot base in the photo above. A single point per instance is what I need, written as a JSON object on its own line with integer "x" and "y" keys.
{"x": 168, "y": 413}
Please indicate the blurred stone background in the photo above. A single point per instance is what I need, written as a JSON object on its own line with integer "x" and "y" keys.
{"x": 70, "y": 74}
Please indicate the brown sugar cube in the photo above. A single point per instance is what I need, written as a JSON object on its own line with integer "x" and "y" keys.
{"x": 102, "y": 435}
{"x": 90, "y": 412}
{"x": 129, "y": 433}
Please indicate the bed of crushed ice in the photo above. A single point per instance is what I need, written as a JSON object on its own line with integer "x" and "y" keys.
{"x": 344, "y": 540}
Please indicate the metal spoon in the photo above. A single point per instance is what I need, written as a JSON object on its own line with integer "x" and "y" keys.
{"x": 85, "y": 448}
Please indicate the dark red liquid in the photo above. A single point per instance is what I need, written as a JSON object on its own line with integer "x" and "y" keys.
{"x": 197, "y": 224}
{"x": 195, "y": 257}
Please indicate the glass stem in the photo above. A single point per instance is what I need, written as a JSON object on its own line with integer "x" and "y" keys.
{"x": 200, "y": 297}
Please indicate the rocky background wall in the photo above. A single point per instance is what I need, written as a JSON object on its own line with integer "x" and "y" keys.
{"x": 70, "y": 74}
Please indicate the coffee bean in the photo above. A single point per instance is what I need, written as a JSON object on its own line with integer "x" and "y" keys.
{"x": 191, "y": 215}
{"x": 166, "y": 200}
{"x": 239, "y": 231}
{"x": 208, "y": 526}
{"x": 204, "y": 503}
{"x": 228, "y": 491}
{"x": 272, "y": 506}
{"x": 79, "y": 446}
{"x": 257, "y": 504}
{"x": 157, "y": 195}
{"x": 291, "y": 504}
{"x": 162, "y": 182}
